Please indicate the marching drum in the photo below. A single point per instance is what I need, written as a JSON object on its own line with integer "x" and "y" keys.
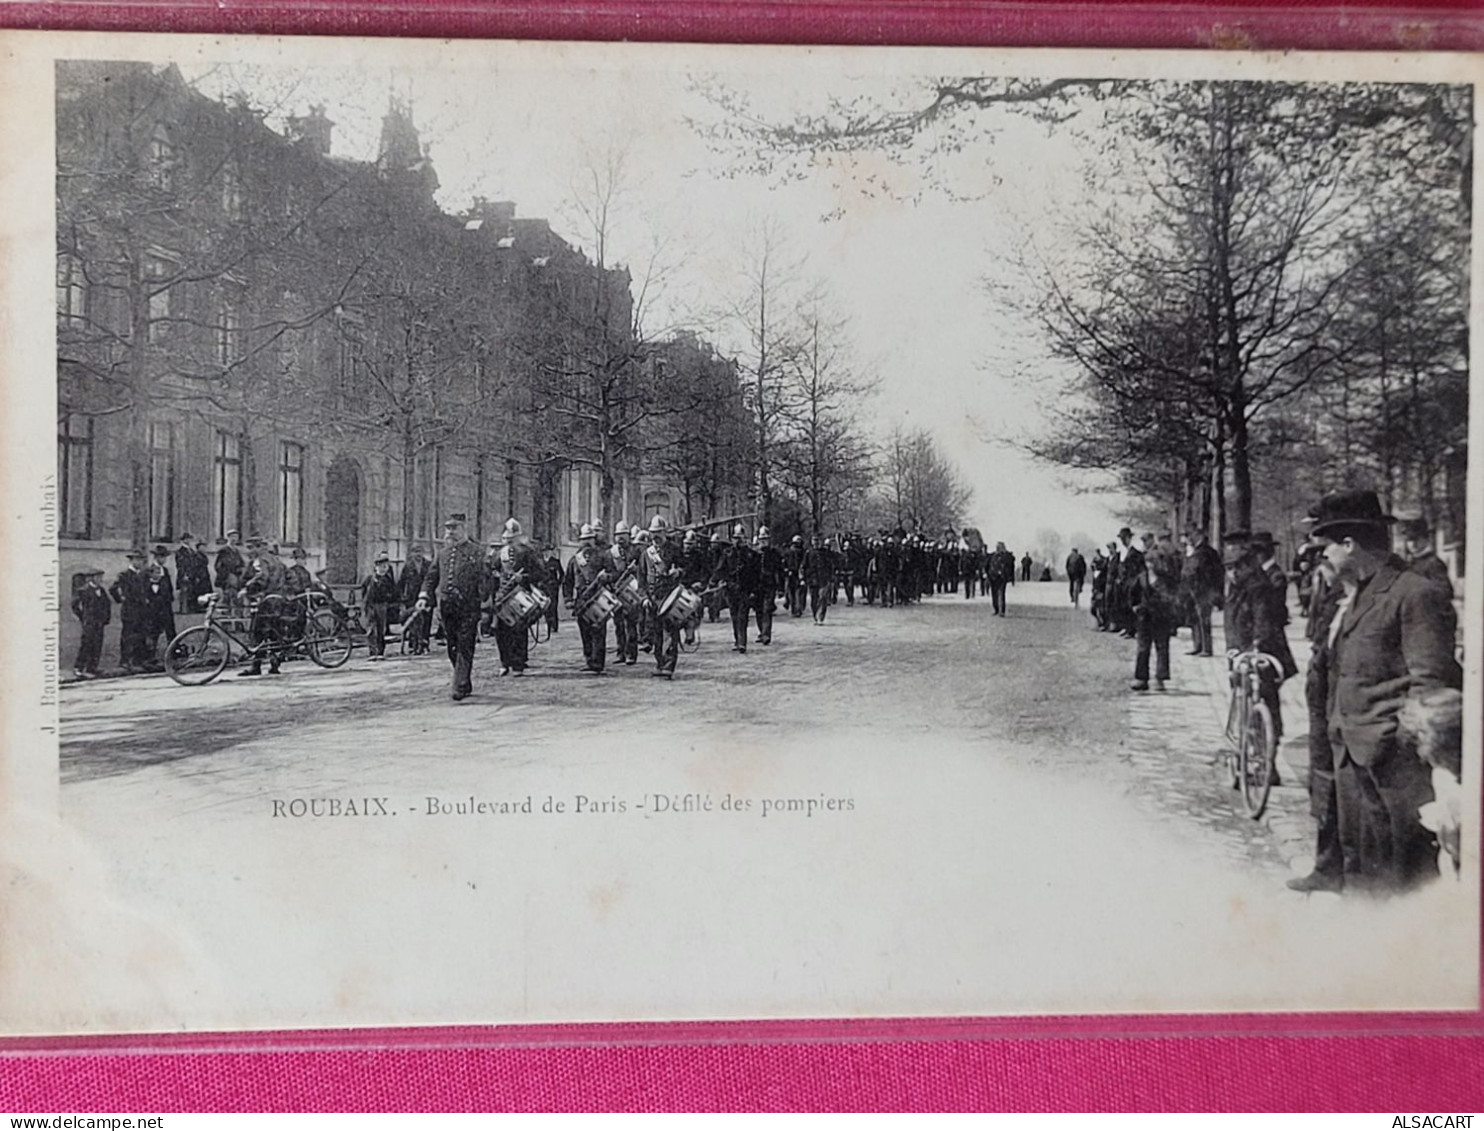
{"x": 521, "y": 607}
{"x": 599, "y": 607}
{"x": 630, "y": 593}
{"x": 680, "y": 607}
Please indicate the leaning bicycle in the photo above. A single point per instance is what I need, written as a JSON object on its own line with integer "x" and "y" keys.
{"x": 1252, "y": 756}
{"x": 201, "y": 653}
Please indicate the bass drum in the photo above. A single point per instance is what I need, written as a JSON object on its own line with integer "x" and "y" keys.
{"x": 681, "y": 607}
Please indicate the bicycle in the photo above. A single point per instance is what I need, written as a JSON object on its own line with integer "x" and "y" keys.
{"x": 201, "y": 653}
{"x": 1250, "y": 729}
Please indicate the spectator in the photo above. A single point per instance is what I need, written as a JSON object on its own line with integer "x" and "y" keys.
{"x": 1394, "y": 643}
{"x": 379, "y": 593}
{"x": 1201, "y": 578}
{"x": 93, "y": 608}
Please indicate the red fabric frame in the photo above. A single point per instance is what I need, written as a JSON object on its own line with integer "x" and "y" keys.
{"x": 1392, "y": 1063}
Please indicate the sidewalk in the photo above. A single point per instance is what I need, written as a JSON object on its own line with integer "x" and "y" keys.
{"x": 1192, "y": 726}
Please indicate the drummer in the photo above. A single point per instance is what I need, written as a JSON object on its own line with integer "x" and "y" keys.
{"x": 586, "y": 572}
{"x": 659, "y": 573}
{"x": 517, "y": 567}
{"x": 695, "y": 572}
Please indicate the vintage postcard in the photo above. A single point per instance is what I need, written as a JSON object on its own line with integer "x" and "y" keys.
{"x": 542, "y": 532}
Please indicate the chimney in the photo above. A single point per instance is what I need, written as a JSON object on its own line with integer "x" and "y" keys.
{"x": 313, "y": 129}
{"x": 496, "y": 216}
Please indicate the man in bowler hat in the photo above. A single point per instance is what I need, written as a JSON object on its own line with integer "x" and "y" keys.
{"x": 1393, "y": 643}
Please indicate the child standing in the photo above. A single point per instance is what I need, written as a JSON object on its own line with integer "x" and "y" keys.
{"x": 92, "y": 606}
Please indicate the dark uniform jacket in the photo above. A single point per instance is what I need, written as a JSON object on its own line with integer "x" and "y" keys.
{"x": 1001, "y": 566}
{"x": 770, "y": 571}
{"x": 583, "y": 570}
{"x": 738, "y": 568}
{"x": 518, "y": 564}
{"x": 458, "y": 576}
{"x": 695, "y": 566}
{"x": 1396, "y": 641}
{"x": 1076, "y": 566}
{"x": 819, "y": 565}
{"x": 655, "y": 564}
{"x": 793, "y": 561}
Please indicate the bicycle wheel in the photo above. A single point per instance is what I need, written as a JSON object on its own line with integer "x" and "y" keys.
{"x": 327, "y": 640}
{"x": 198, "y": 655}
{"x": 1259, "y": 749}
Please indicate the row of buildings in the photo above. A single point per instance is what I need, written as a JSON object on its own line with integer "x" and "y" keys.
{"x": 255, "y": 334}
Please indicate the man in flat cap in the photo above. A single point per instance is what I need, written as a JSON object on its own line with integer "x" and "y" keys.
{"x": 231, "y": 566}
{"x": 1392, "y": 644}
{"x": 461, "y": 583}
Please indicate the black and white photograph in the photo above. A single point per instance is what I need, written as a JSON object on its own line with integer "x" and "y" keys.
{"x": 548, "y": 532}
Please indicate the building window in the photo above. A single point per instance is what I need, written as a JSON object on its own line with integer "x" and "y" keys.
{"x": 573, "y": 497}
{"x": 162, "y": 159}
{"x": 227, "y": 483}
{"x": 231, "y": 191}
{"x": 75, "y": 474}
{"x": 427, "y": 473}
{"x": 72, "y": 293}
{"x": 291, "y": 493}
{"x": 161, "y": 481}
{"x": 228, "y": 338}
{"x": 159, "y": 303}
{"x": 657, "y": 503}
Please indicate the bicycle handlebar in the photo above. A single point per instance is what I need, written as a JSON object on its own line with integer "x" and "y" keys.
{"x": 1244, "y": 659}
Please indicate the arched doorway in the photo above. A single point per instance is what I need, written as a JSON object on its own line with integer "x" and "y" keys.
{"x": 343, "y": 521}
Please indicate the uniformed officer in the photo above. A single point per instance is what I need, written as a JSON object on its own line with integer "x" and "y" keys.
{"x": 770, "y": 583}
{"x": 586, "y": 570}
{"x": 625, "y": 624}
{"x": 659, "y": 573}
{"x": 999, "y": 573}
{"x": 519, "y": 567}
{"x": 793, "y": 586}
{"x": 819, "y": 575}
{"x": 737, "y": 570}
{"x": 714, "y": 599}
{"x": 460, "y": 583}
{"x": 695, "y": 572}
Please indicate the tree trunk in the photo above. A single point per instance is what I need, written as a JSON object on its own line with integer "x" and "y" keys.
{"x": 409, "y": 483}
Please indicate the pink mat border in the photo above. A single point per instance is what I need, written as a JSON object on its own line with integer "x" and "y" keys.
{"x": 1400, "y": 1062}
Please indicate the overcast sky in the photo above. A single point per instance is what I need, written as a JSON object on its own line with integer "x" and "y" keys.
{"x": 928, "y": 290}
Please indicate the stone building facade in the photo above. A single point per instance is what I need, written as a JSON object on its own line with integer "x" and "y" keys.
{"x": 256, "y": 335}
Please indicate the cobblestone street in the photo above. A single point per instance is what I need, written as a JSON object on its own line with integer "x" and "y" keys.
{"x": 990, "y": 786}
